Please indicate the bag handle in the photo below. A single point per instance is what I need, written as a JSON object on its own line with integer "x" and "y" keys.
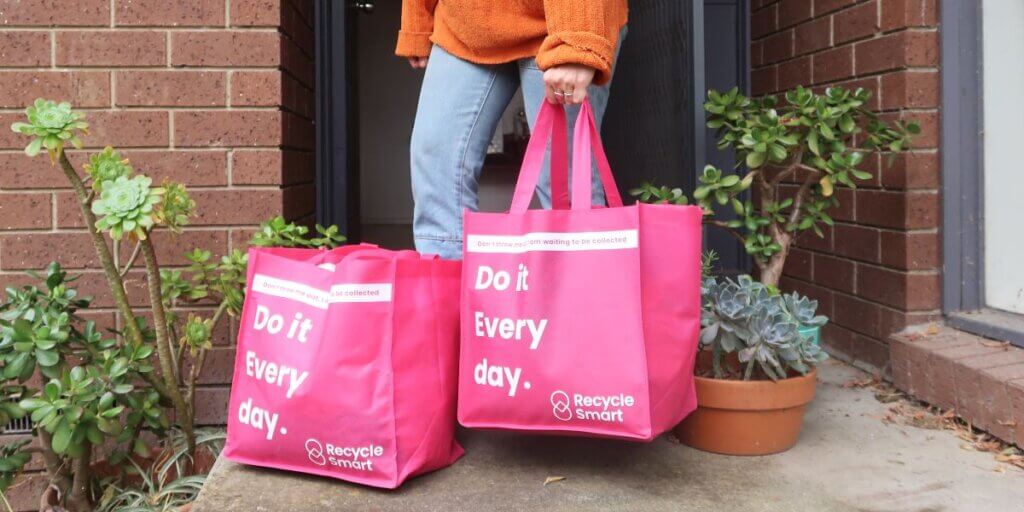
{"x": 587, "y": 138}
{"x": 550, "y": 124}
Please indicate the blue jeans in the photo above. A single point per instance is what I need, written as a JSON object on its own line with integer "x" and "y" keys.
{"x": 459, "y": 108}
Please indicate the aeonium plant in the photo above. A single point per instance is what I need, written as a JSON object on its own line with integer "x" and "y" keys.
{"x": 795, "y": 154}
{"x": 759, "y": 325}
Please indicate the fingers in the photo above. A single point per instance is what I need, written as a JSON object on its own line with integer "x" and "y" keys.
{"x": 549, "y": 95}
{"x": 418, "y": 62}
{"x": 578, "y": 96}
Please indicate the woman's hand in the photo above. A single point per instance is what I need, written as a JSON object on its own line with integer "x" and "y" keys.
{"x": 567, "y": 84}
{"x": 418, "y": 62}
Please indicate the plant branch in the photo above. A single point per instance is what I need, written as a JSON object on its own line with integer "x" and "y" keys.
{"x": 801, "y": 196}
{"x": 724, "y": 225}
{"x": 163, "y": 343}
{"x": 78, "y": 498}
{"x": 114, "y": 280}
{"x": 131, "y": 259}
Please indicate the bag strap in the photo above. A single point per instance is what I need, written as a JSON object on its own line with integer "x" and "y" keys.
{"x": 550, "y": 124}
{"x": 587, "y": 138}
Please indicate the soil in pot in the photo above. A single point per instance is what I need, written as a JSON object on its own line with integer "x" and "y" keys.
{"x": 756, "y": 417}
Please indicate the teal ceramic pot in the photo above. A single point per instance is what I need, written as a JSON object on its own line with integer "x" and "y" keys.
{"x": 811, "y": 333}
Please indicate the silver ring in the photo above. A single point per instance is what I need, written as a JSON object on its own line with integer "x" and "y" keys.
{"x": 560, "y": 93}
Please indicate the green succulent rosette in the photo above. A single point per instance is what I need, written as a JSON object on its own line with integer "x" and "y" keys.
{"x": 51, "y": 124}
{"x": 198, "y": 333}
{"x": 105, "y": 166}
{"x": 127, "y": 206}
{"x": 175, "y": 208}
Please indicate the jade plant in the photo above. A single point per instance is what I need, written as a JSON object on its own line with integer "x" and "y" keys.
{"x": 791, "y": 156}
{"x": 101, "y": 388}
{"x": 760, "y": 326}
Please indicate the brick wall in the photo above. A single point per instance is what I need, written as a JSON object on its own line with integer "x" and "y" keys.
{"x": 877, "y": 270}
{"x": 214, "y": 93}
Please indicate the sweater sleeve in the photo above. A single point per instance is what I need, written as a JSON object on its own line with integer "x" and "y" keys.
{"x": 417, "y": 26}
{"x": 578, "y": 33}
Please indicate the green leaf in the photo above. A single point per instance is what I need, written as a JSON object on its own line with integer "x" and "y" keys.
{"x": 34, "y": 147}
{"x": 62, "y": 437}
{"x": 812, "y": 142}
{"x": 755, "y": 159}
{"x": 47, "y": 357}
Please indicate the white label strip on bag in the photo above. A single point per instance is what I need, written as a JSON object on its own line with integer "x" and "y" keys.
{"x": 541, "y": 241}
{"x": 368, "y": 292}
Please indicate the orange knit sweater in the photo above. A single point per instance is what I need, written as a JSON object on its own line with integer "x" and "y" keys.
{"x": 497, "y": 31}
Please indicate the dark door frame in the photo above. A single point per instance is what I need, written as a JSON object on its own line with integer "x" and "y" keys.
{"x": 337, "y": 110}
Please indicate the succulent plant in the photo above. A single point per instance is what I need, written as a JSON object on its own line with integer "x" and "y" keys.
{"x": 175, "y": 208}
{"x": 127, "y": 206}
{"x": 746, "y": 317}
{"x": 51, "y": 124}
{"x": 198, "y": 333}
{"x": 107, "y": 165}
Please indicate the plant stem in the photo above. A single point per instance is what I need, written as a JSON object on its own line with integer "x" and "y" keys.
{"x": 78, "y": 498}
{"x": 114, "y": 280}
{"x": 131, "y": 259}
{"x": 55, "y": 466}
{"x": 163, "y": 344}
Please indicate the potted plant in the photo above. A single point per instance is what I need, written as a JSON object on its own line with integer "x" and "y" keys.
{"x": 755, "y": 375}
{"x": 761, "y": 346}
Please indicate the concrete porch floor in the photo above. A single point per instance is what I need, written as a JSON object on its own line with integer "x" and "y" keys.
{"x": 846, "y": 460}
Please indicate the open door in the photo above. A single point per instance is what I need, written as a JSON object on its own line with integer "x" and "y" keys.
{"x": 337, "y": 114}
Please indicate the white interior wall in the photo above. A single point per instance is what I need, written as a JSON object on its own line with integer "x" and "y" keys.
{"x": 1003, "y": 50}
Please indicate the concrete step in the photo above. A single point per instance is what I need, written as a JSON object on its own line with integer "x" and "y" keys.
{"x": 847, "y": 460}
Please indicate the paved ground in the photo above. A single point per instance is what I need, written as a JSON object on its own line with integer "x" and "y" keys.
{"x": 847, "y": 460}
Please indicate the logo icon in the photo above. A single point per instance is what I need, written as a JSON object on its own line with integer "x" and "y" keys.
{"x": 560, "y": 405}
{"x": 315, "y": 452}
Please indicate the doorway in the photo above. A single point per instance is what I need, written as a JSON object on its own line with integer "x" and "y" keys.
{"x": 653, "y": 129}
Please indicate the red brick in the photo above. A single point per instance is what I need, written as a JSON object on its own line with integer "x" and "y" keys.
{"x": 296, "y": 97}
{"x": 69, "y": 213}
{"x": 212, "y": 405}
{"x": 778, "y": 46}
{"x": 228, "y": 128}
{"x": 792, "y": 12}
{"x": 124, "y": 129}
{"x": 756, "y": 54}
{"x": 193, "y": 168}
{"x": 298, "y": 167}
{"x": 795, "y": 72}
{"x": 256, "y": 13}
{"x": 764, "y": 22}
{"x": 226, "y": 48}
{"x": 910, "y": 89}
{"x": 910, "y": 170}
{"x": 810, "y": 240}
{"x": 898, "y": 289}
{"x": 837, "y": 340}
{"x": 24, "y": 48}
{"x": 18, "y": 89}
{"x": 1001, "y": 356}
{"x": 233, "y": 207}
{"x": 910, "y": 251}
{"x": 857, "y": 242}
{"x": 72, "y": 13}
{"x": 256, "y": 167}
{"x": 857, "y": 315}
{"x": 898, "y": 50}
{"x": 846, "y": 206}
{"x": 297, "y": 62}
{"x": 826, "y": 6}
{"x": 218, "y": 368}
{"x": 171, "y": 249}
{"x": 256, "y": 88}
{"x": 800, "y": 264}
{"x": 869, "y": 352}
{"x": 914, "y": 210}
{"x": 834, "y": 273}
{"x": 856, "y": 22}
{"x": 28, "y": 251}
{"x": 764, "y": 80}
{"x": 927, "y": 120}
{"x": 832, "y": 65}
{"x": 25, "y": 210}
{"x": 898, "y": 14}
{"x": 112, "y": 48}
{"x": 18, "y": 171}
{"x": 813, "y": 36}
{"x": 170, "y": 13}
{"x": 171, "y": 88}
{"x": 299, "y": 202}
{"x": 895, "y": 320}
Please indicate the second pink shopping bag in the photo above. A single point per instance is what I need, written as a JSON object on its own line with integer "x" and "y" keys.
{"x": 582, "y": 320}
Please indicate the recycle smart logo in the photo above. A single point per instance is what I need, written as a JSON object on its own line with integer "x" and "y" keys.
{"x": 560, "y": 405}
{"x": 315, "y": 452}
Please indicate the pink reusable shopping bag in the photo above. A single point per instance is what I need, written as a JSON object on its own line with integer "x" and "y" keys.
{"x": 345, "y": 364}
{"x": 583, "y": 320}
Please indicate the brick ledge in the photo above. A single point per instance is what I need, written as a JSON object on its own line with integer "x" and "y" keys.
{"x": 982, "y": 380}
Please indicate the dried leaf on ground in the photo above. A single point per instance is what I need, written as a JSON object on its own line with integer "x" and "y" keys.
{"x": 553, "y": 479}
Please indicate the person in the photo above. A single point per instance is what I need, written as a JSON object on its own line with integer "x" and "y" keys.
{"x": 476, "y": 54}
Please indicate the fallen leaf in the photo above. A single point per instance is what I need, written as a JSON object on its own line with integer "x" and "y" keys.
{"x": 1005, "y": 345}
{"x": 553, "y": 479}
{"x": 1007, "y": 423}
{"x": 933, "y": 329}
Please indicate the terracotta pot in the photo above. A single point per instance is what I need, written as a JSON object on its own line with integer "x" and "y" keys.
{"x": 736, "y": 417}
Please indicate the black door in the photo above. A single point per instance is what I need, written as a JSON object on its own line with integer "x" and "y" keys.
{"x": 337, "y": 114}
